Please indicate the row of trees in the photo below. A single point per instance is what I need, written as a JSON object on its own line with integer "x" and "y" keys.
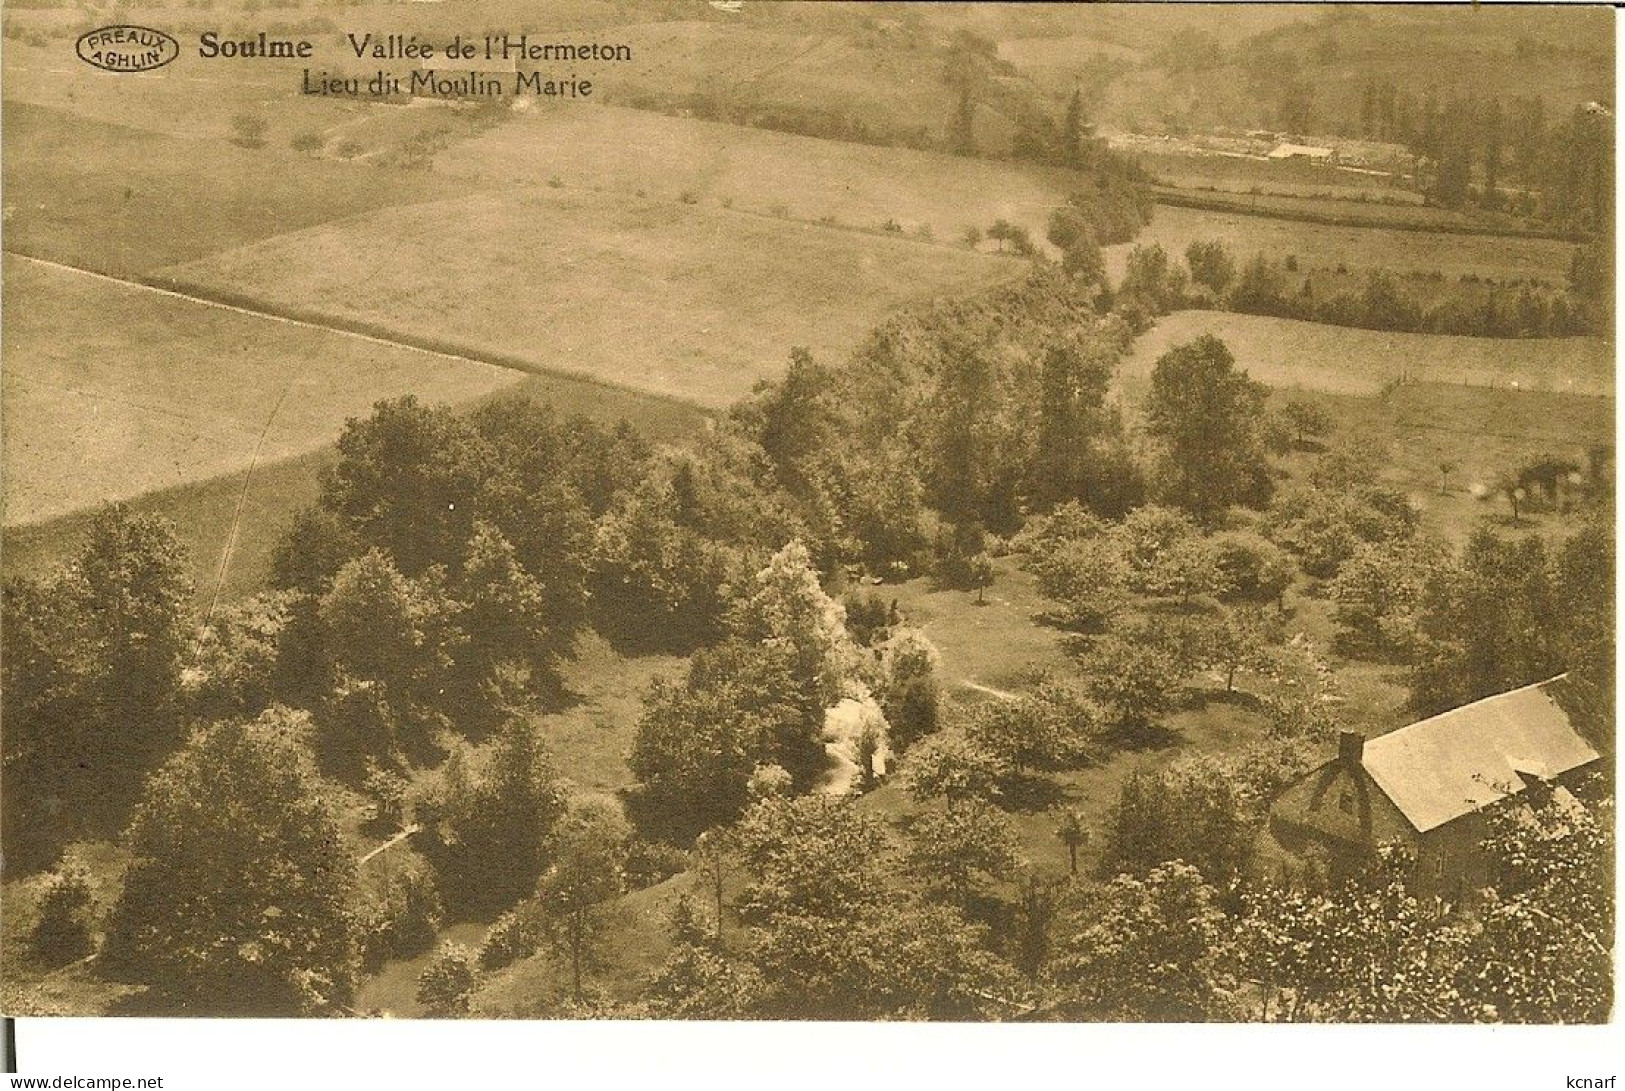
{"x": 1501, "y": 154}
{"x": 829, "y": 922}
{"x": 1154, "y": 283}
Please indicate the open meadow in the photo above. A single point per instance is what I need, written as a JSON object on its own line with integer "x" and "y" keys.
{"x": 676, "y": 299}
{"x": 103, "y": 402}
{"x": 1286, "y": 353}
{"x": 1478, "y": 433}
{"x": 125, "y": 201}
{"x": 803, "y": 178}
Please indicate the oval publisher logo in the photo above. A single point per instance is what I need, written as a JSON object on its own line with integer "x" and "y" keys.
{"x": 127, "y": 48}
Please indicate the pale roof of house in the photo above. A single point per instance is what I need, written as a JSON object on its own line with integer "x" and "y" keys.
{"x": 1460, "y": 761}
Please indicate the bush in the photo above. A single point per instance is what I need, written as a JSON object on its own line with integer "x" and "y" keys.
{"x": 248, "y": 131}
{"x": 445, "y": 986}
{"x": 401, "y": 917}
{"x": 651, "y": 862}
{"x": 307, "y": 141}
{"x": 63, "y": 932}
{"x": 516, "y": 934}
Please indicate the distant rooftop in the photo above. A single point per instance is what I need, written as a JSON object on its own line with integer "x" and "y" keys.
{"x": 1296, "y": 151}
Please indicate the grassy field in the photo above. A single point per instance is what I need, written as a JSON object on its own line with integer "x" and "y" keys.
{"x": 1245, "y": 235}
{"x": 631, "y": 151}
{"x": 1481, "y": 432}
{"x": 590, "y": 742}
{"x": 185, "y": 100}
{"x": 1346, "y": 210}
{"x": 676, "y": 299}
{"x": 102, "y": 401}
{"x": 1218, "y": 177}
{"x": 121, "y": 200}
{"x": 1286, "y": 353}
{"x": 202, "y": 511}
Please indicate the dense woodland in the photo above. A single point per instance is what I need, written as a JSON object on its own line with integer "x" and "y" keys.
{"x": 426, "y": 602}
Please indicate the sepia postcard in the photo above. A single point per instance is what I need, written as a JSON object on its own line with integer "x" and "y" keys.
{"x": 764, "y": 511}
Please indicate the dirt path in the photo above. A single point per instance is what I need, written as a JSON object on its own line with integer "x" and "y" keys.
{"x": 1003, "y": 694}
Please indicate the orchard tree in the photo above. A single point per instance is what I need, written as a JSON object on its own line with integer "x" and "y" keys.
{"x": 1239, "y": 638}
{"x": 1086, "y": 578}
{"x": 238, "y": 900}
{"x": 1145, "y": 949}
{"x": 588, "y": 872}
{"x": 1207, "y": 417}
{"x": 1253, "y": 569}
{"x": 961, "y": 851}
{"x": 1052, "y": 728}
{"x": 950, "y": 767}
{"x": 1134, "y": 679}
{"x": 1307, "y": 419}
{"x": 487, "y": 831}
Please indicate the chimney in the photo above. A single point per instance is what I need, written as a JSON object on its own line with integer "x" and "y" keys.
{"x": 1350, "y": 748}
{"x": 1537, "y": 788}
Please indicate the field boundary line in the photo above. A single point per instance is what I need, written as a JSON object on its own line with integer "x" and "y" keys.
{"x": 375, "y": 333}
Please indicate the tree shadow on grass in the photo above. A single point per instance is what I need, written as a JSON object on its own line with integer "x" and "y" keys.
{"x": 1151, "y": 737}
{"x": 1197, "y": 700}
{"x": 1029, "y": 793}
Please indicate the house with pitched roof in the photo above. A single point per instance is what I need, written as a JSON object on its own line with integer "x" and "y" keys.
{"x": 1432, "y": 786}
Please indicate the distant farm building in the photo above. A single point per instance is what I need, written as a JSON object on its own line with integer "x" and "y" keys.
{"x": 1307, "y": 152}
{"x": 1431, "y": 786}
